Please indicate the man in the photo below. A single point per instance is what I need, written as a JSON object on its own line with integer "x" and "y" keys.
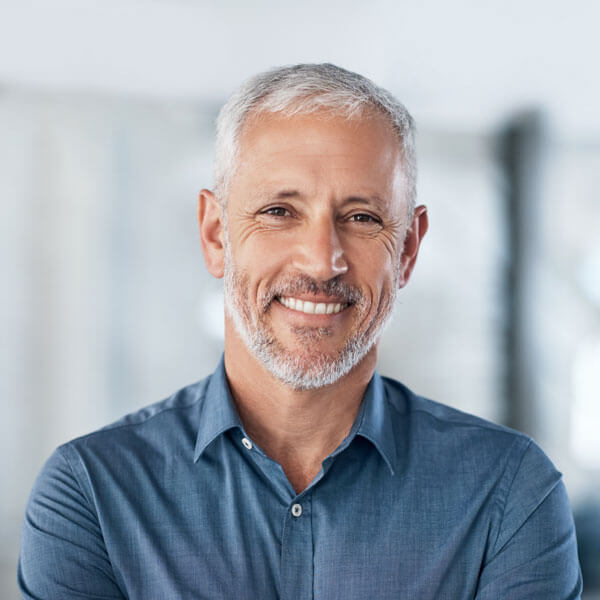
{"x": 295, "y": 471}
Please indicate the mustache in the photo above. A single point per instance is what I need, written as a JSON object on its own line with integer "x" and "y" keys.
{"x": 303, "y": 284}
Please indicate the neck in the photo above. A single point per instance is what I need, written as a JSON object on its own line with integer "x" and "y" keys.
{"x": 297, "y": 428}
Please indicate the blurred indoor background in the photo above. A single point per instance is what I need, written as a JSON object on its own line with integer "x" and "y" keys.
{"x": 107, "y": 115}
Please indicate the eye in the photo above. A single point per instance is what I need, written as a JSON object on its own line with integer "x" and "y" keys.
{"x": 276, "y": 211}
{"x": 364, "y": 218}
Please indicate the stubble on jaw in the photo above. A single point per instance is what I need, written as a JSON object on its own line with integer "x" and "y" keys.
{"x": 304, "y": 368}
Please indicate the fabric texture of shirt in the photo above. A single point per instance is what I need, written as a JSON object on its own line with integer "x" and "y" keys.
{"x": 419, "y": 501}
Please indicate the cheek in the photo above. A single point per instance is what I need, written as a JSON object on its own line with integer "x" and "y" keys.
{"x": 379, "y": 286}
{"x": 255, "y": 258}
{"x": 373, "y": 265}
{"x": 259, "y": 268}
{"x": 262, "y": 248}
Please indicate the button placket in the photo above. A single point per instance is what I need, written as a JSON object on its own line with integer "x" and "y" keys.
{"x": 297, "y": 568}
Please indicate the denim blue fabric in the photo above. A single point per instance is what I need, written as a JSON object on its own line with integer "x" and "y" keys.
{"x": 419, "y": 501}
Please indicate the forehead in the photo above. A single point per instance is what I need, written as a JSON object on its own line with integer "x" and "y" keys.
{"x": 320, "y": 148}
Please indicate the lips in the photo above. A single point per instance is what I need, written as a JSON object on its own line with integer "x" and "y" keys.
{"x": 312, "y": 308}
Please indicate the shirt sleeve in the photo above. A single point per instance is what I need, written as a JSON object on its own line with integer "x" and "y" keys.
{"x": 63, "y": 555}
{"x": 534, "y": 554}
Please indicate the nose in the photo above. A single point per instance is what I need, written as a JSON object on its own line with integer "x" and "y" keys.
{"x": 319, "y": 251}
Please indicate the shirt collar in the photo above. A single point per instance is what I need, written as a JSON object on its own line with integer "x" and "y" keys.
{"x": 373, "y": 422}
{"x": 376, "y": 424}
{"x": 218, "y": 413}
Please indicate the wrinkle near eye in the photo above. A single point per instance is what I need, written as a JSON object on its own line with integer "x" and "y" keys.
{"x": 248, "y": 227}
{"x": 390, "y": 242}
{"x": 391, "y": 236}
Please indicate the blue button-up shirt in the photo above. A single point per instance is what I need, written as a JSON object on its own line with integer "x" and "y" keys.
{"x": 419, "y": 501}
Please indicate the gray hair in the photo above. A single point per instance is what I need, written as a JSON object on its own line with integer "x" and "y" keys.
{"x": 304, "y": 89}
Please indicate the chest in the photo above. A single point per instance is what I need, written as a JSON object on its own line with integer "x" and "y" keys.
{"x": 236, "y": 528}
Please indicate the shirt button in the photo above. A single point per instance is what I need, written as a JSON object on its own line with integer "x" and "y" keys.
{"x": 247, "y": 443}
{"x": 296, "y": 510}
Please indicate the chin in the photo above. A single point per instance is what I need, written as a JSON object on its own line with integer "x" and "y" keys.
{"x": 311, "y": 370}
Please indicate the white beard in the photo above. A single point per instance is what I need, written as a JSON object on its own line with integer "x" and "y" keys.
{"x": 304, "y": 368}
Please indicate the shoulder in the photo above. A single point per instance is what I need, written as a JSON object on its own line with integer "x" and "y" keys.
{"x": 119, "y": 456}
{"x": 442, "y": 440}
{"x": 436, "y": 420}
{"x": 85, "y": 487}
{"x": 470, "y": 457}
{"x": 174, "y": 407}
{"x": 166, "y": 426}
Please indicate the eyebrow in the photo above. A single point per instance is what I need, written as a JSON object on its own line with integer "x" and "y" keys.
{"x": 368, "y": 200}
{"x": 283, "y": 194}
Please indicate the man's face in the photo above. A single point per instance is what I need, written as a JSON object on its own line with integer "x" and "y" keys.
{"x": 316, "y": 218}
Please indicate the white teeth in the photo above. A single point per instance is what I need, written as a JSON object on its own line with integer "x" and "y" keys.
{"x": 311, "y": 308}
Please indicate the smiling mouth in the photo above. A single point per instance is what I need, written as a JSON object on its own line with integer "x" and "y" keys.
{"x": 312, "y": 308}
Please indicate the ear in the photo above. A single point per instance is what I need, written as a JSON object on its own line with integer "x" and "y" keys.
{"x": 412, "y": 240}
{"x": 210, "y": 220}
